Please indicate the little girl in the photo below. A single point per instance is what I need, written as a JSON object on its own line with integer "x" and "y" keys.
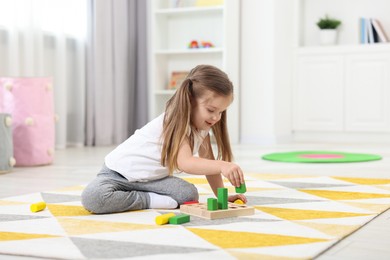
{"x": 138, "y": 173}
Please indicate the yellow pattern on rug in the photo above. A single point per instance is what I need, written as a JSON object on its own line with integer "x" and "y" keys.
{"x": 364, "y": 181}
{"x": 6, "y": 236}
{"x": 79, "y": 226}
{"x": 344, "y": 195}
{"x": 330, "y": 229}
{"x": 229, "y": 239}
{"x": 67, "y": 211}
{"x": 300, "y": 214}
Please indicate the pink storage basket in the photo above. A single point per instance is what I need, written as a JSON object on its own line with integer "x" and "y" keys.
{"x": 30, "y": 102}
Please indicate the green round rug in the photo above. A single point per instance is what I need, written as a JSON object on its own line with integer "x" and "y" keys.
{"x": 320, "y": 157}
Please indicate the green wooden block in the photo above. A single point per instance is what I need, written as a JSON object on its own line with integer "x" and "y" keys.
{"x": 179, "y": 219}
{"x": 212, "y": 204}
{"x": 241, "y": 189}
{"x": 222, "y": 198}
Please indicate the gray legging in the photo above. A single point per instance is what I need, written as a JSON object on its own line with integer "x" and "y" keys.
{"x": 110, "y": 192}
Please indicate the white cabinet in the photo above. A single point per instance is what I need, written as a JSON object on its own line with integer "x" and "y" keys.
{"x": 319, "y": 93}
{"x": 172, "y": 29}
{"x": 343, "y": 89}
{"x": 340, "y": 92}
{"x": 367, "y": 92}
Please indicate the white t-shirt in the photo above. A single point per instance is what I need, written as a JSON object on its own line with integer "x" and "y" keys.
{"x": 138, "y": 158}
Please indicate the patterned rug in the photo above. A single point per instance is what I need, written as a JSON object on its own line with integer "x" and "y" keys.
{"x": 296, "y": 217}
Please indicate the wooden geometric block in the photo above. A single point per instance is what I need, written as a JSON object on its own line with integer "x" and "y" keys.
{"x": 39, "y": 206}
{"x": 238, "y": 201}
{"x": 241, "y": 189}
{"x": 222, "y": 198}
{"x": 234, "y": 210}
{"x": 191, "y": 202}
{"x": 179, "y": 219}
{"x": 212, "y": 204}
{"x": 164, "y": 219}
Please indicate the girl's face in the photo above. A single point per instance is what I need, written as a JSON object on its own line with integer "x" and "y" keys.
{"x": 207, "y": 110}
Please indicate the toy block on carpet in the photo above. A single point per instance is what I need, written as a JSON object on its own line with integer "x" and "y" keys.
{"x": 164, "y": 219}
{"x": 39, "y": 206}
{"x": 233, "y": 210}
{"x": 180, "y": 219}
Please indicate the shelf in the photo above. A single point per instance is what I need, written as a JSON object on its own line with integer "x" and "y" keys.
{"x": 189, "y": 10}
{"x": 335, "y": 49}
{"x": 189, "y": 51}
{"x": 348, "y": 12}
{"x": 172, "y": 29}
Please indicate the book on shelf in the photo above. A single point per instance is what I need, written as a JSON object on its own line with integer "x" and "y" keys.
{"x": 379, "y": 30}
{"x": 371, "y": 31}
{"x": 363, "y": 31}
{"x": 177, "y": 77}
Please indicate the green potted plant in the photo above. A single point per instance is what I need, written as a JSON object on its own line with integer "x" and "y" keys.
{"x": 328, "y": 30}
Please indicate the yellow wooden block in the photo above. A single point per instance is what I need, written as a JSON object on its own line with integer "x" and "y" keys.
{"x": 39, "y": 206}
{"x": 238, "y": 201}
{"x": 164, "y": 219}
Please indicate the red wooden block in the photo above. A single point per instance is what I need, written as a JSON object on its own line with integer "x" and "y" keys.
{"x": 191, "y": 202}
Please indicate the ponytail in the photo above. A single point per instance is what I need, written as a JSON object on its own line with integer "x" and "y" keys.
{"x": 177, "y": 128}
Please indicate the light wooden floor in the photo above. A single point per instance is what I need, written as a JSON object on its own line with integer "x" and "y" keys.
{"x": 79, "y": 165}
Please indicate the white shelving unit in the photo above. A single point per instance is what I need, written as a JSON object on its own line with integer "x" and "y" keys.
{"x": 173, "y": 28}
{"x": 342, "y": 89}
{"x": 347, "y": 11}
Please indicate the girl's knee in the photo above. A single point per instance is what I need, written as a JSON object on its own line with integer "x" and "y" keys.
{"x": 89, "y": 200}
{"x": 190, "y": 193}
{"x": 92, "y": 200}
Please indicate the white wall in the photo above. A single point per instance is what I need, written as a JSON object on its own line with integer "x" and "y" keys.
{"x": 266, "y": 71}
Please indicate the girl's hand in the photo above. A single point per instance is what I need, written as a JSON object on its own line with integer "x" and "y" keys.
{"x": 233, "y": 173}
{"x": 242, "y": 197}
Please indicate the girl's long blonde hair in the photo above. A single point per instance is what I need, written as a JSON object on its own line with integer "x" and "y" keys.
{"x": 177, "y": 120}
